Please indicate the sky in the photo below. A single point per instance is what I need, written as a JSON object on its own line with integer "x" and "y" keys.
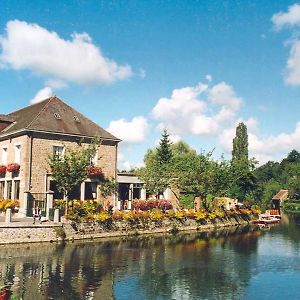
{"x": 196, "y": 68}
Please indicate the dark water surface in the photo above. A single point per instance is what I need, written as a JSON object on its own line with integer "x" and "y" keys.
{"x": 229, "y": 264}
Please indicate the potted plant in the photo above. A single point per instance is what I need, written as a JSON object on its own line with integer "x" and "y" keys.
{"x": 95, "y": 172}
{"x": 2, "y": 171}
{"x": 13, "y": 168}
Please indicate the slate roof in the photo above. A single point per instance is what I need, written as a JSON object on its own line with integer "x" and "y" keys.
{"x": 41, "y": 117}
{"x": 6, "y": 118}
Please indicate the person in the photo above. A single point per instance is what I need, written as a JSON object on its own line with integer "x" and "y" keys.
{"x": 37, "y": 214}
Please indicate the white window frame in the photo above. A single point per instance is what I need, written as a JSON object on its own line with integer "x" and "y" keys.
{"x": 94, "y": 160}
{"x": 17, "y": 149}
{"x": 60, "y": 154}
{"x": 4, "y": 154}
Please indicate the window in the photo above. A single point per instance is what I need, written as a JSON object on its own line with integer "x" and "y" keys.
{"x": 4, "y": 155}
{"x": 2, "y": 186}
{"x": 57, "y": 116}
{"x": 17, "y": 154}
{"x": 94, "y": 160}
{"x": 58, "y": 151}
{"x": 76, "y": 119}
{"x": 17, "y": 190}
{"x": 8, "y": 189}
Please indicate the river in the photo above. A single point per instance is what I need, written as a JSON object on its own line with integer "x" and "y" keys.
{"x": 237, "y": 263}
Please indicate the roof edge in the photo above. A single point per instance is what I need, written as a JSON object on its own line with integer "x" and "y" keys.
{"x": 24, "y": 131}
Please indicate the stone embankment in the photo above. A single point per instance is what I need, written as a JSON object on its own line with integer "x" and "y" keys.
{"x": 19, "y": 232}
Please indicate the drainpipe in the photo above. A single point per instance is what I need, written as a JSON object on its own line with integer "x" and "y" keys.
{"x": 30, "y": 164}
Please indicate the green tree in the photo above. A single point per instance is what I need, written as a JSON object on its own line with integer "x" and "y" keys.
{"x": 240, "y": 144}
{"x": 243, "y": 179}
{"x": 157, "y": 171}
{"x": 164, "y": 152}
{"x": 72, "y": 168}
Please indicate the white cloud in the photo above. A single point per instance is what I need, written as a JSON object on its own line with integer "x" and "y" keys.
{"x": 289, "y": 18}
{"x": 31, "y": 47}
{"x": 293, "y": 65}
{"x": 208, "y": 77}
{"x": 142, "y": 73}
{"x": 185, "y": 113}
{"x": 223, "y": 94}
{"x": 263, "y": 148}
{"x": 134, "y": 131}
{"x": 42, "y": 94}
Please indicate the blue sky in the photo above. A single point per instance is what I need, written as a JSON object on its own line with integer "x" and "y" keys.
{"x": 195, "y": 67}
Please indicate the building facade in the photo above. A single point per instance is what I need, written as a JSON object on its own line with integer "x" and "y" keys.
{"x": 30, "y": 135}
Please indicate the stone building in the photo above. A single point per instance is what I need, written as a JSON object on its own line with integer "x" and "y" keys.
{"x": 27, "y": 138}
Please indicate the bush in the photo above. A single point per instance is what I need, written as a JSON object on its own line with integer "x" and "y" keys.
{"x": 7, "y": 203}
{"x": 187, "y": 200}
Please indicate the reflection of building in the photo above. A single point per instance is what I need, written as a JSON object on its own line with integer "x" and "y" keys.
{"x": 27, "y": 138}
{"x": 130, "y": 187}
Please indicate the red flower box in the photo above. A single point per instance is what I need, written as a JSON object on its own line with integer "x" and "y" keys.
{"x": 95, "y": 171}
{"x": 12, "y": 168}
{"x": 2, "y": 170}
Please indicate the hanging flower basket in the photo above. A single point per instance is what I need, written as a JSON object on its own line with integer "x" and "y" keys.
{"x": 13, "y": 168}
{"x": 95, "y": 172}
{"x": 2, "y": 171}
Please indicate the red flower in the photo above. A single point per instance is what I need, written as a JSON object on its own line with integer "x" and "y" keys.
{"x": 13, "y": 168}
{"x": 2, "y": 170}
{"x": 95, "y": 171}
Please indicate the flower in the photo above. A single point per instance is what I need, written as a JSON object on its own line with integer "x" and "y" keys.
{"x": 2, "y": 170}
{"x": 95, "y": 171}
{"x": 13, "y": 168}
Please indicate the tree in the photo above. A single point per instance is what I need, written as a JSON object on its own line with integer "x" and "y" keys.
{"x": 240, "y": 144}
{"x": 72, "y": 168}
{"x": 164, "y": 151}
{"x": 244, "y": 180}
{"x": 157, "y": 171}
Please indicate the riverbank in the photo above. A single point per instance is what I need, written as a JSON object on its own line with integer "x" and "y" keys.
{"x": 20, "y": 232}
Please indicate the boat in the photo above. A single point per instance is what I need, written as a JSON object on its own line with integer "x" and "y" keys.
{"x": 266, "y": 219}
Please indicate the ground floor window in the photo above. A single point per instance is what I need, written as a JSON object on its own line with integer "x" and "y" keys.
{"x": 9, "y": 189}
{"x": 75, "y": 194}
{"x": 90, "y": 190}
{"x": 17, "y": 190}
{"x": 2, "y": 186}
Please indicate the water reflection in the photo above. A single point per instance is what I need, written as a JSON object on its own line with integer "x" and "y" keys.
{"x": 184, "y": 266}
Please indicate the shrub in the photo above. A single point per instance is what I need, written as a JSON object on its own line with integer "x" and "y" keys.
{"x": 102, "y": 216}
{"x": 5, "y": 204}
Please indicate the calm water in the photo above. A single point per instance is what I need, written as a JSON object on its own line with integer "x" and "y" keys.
{"x": 237, "y": 264}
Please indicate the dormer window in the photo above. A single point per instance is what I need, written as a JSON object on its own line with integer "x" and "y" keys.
{"x": 76, "y": 119}
{"x": 57, "y": 116}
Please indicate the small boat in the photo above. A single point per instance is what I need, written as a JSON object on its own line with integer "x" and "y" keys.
{"x": 266, "y": 219}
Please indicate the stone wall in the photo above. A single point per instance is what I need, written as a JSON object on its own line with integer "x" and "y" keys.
{"x": 10, "y": 144}
{"x": 15, "y": 234}
{"x": 43, "y": 147}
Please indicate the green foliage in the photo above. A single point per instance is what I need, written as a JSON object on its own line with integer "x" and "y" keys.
{"x": 164, "y": 152}
{"x": 157, "y": 171}
{"x": 72, "y": 168}
{"x": 186, "y": 172}
{"x": 240, "y": 144}
{"x": 108, "y": 187}
{"x": 274, "y": 176}
{"x": 243, "y": 178}
{"x": 187, "y": 200}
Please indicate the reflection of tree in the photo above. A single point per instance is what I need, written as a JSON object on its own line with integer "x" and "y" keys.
{"x": 289, "y": 228}
{"x": 197, "y": 264}
{"x": 206, "y": 266}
